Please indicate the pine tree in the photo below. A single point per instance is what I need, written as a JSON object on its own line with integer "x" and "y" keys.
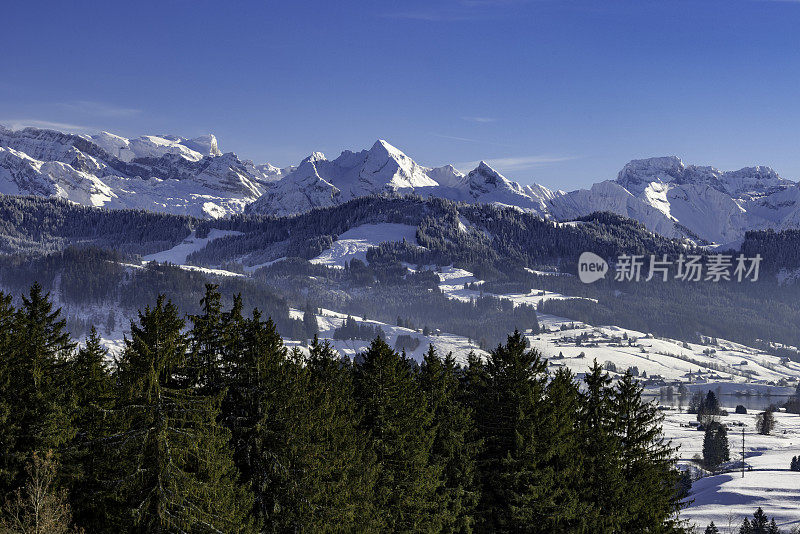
{"x": 765, "y": 422}
{"x": 712, "y": 529}
{"x": 37, "y": 383}
{"x": 746, "y": 528}
{"x": 241, "y": 409}
{"x": 562, "y": 471}
{"x": 91, "y": 388}
{"x": 760, "y": 523}
{"x": 111, "y": 322}
{"x": 232, "y": 341}
{"x": 400, "y": 434}
{"x": 473, "y": 383}
{"x": 336, "y": 473}
{"x": 773, "y": 527}
{"x": 715, "y": 446}
{"x": 8, "y": 424}
{"x": 206, "y": 342}
{"x": 310, "y": 325}
{"x": 174, "y": 466}
{"x": 603, "y": 484}
{"x": 299, "y": 477}
{"x": 509, "y": 422}
{"x": 259, "y": 398}
{"x": 650, "y": 480}
{"x": 455, "y": 443}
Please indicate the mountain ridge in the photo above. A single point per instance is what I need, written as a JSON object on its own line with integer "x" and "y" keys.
{"x": 194, "y": 176}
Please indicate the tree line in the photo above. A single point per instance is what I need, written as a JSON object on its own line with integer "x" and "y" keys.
{"x": 210, "y": 424}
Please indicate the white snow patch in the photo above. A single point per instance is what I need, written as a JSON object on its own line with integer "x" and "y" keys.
{"x": 354, "y": 243}
{"x": 253, "y": 268}
{"x": 207, "y": 270}
{"x": 546, "y": 273}
{"x": 444, "y": 342}
{"x": 453, "y": 280}
{"x": 177, "y": 255}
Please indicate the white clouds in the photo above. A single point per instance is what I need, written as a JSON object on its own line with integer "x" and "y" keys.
{"x": 518, "y": 163}
{"x": 479, "y": 119}
{"x": 469, "y": 140}
{"x": 99, "y": 109}
{"x": 18, "y": 124}
{"x": 456, "y": 138}
{"x": 73, "y": 116}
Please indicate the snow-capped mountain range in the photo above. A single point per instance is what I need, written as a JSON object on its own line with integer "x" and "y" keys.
{"x": 193, "y": 176}
{"x": 159, "y": 173}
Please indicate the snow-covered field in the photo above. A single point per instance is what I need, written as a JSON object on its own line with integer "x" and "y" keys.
{"x": 177, "y": 255}
{"x": 726, "y": 498}
{"x": 445, "y": 343}
{"x": 453, "y": 279}
{"x": 354, "y": 243}
{"x": 576, "y": 345}
{"x": 672, "y": 360}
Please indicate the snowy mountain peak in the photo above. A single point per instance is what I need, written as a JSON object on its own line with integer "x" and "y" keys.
{"x": 485, "y": 184}
{"x": 637, "y": 174}
{"x": 486, "y": 169}
{"x": 160, "y": 173}
{"x": 656, "y": 174}
{"x": 315, "y": 157}
{"x": 753, "y": 181}
{"x": 447, "y": 176}
{"x": 205, "y": 144}
{"x": 388, "y": 168}
{"x": 484, "y": 175}
{"x": 384, "y": 149}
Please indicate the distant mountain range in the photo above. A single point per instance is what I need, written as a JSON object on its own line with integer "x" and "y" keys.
{"x": 193, "y": 176}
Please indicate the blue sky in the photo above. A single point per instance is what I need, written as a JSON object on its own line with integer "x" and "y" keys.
{"x": 559, "y": 92}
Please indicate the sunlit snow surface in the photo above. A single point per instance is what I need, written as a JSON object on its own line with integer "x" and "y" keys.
{"x": 726, "y": 498}
{"x": 445, "y": 343}
{"x": 354, "y": 243}
{"x": 177, "y": 255}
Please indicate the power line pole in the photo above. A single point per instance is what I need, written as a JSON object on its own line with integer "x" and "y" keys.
{"x": 742, "y": 452}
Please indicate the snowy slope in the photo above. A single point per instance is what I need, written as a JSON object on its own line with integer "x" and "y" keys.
{"x": 672, "y": 360}
{"x": 151, "y": 146}
{"x": 354, "y": 243}
{"x": 329, "y": 320}
{"x": 768, "y": 483}
{"x": 177, "y": 255}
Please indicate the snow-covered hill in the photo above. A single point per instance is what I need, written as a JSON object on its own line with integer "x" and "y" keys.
{"x": 193, "y": 176}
